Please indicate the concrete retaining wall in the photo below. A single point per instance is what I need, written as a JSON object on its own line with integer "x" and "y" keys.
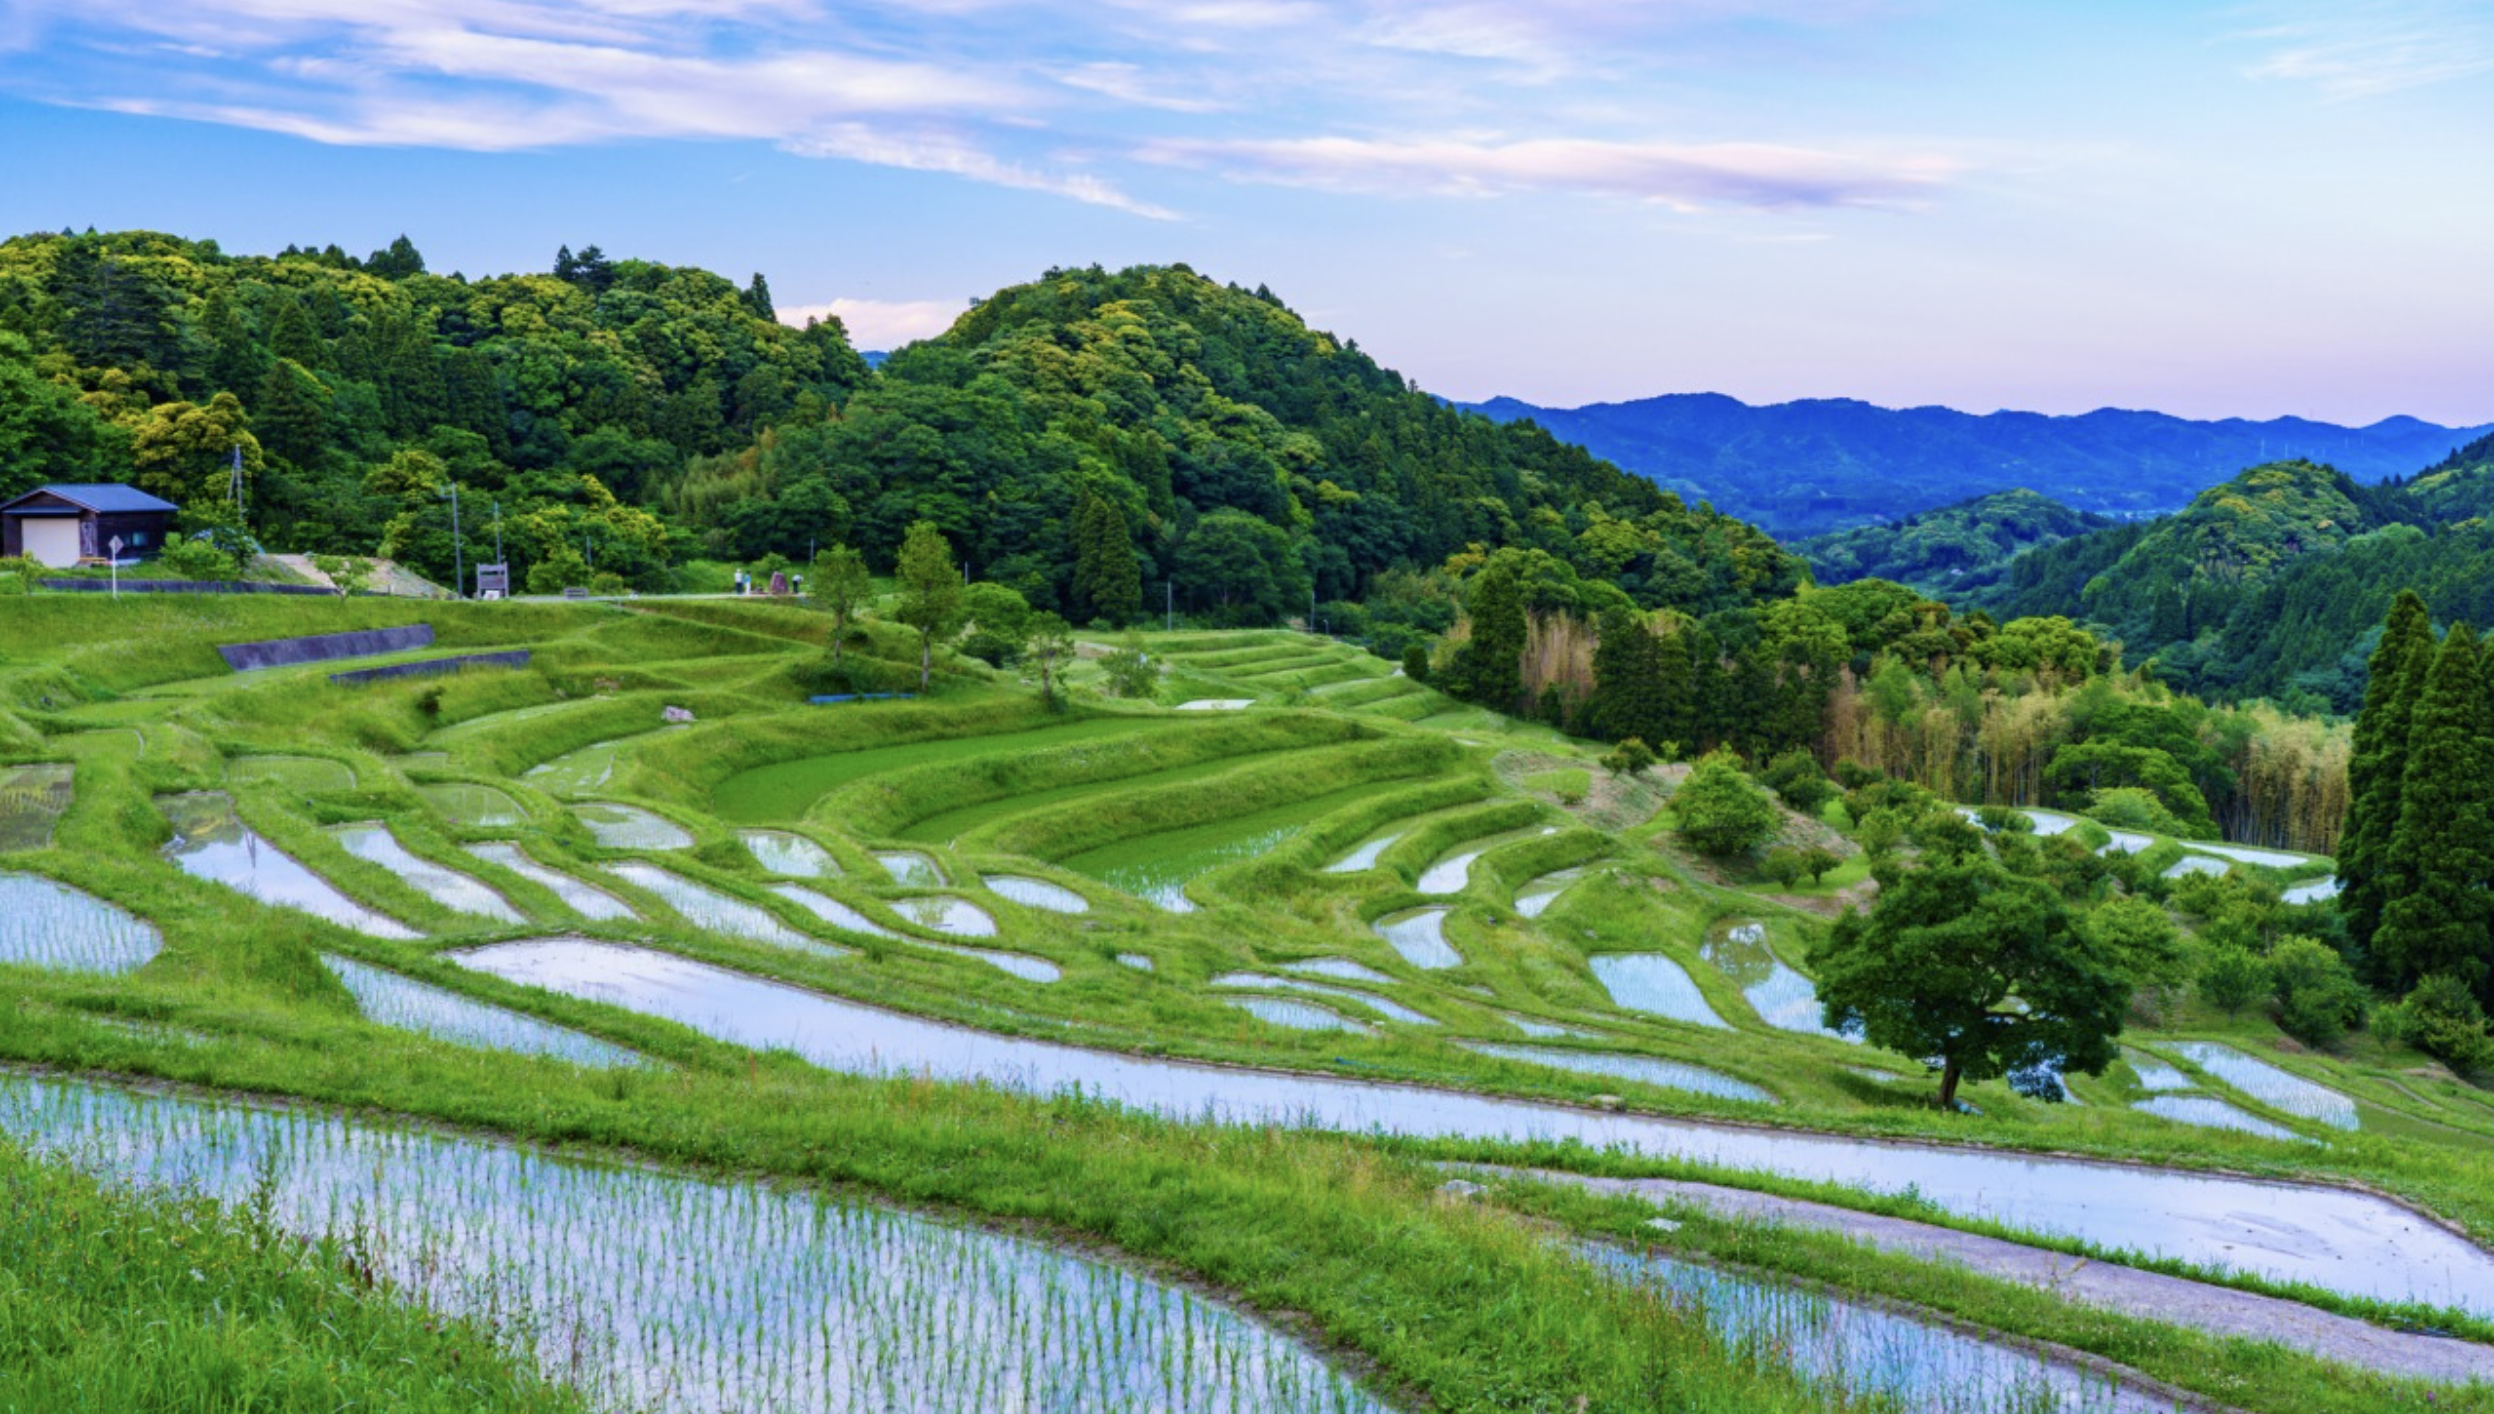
{"x": 430, "y": 666}
{"x": 180, "y": 586}
{"x": 320, "y": 648}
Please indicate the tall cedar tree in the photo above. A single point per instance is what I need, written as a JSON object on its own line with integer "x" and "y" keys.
{"x": 1107, "y": 580}
{"x": 931, "y": 592}
{"x": 2441, "y": 856}
{"x": 2377, "y": 774}
{"x": 1627, "y": 691}
{"x": 1496, "y": 608}
{"x": 1980, "y": 969}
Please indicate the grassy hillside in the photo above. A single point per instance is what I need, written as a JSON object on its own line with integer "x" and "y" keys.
{"x": 1467, "y": 888}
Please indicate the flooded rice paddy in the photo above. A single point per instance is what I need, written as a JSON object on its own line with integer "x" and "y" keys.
{"x": 911, "y": 869}
{"x": 1654, "y": 984}
{"x": 946, "y": 914}
{"x": 1157, "y": 868}
{"x": 291, "y": 775}
{"x": 1014, "y": 964}
{"x": 789, "y": 856}
{"x": 1341, "y": 969}
{"x": 1296, "y": 1016}
{"x": 210, "y": 842}
{"x": 2196, "y": 864}
{"x": 388, "y": 999}
{"x": 2209, "y": 1112}
{"x": 58, "y": 929}
{"x": 473, "y": 807}
{"x": 730, "y": 1297}
{"x": 1543, "y": 1030}
{"x": 2332, "y": 1238}
{"x": 447, "y": 887}
{"x": 714, "y": 912}
{"x": 581, "y": 897}
{"x": 1671, "y": 1075}
{"x": 1390, "y": 1010}
{"x": 1870, "y": 1354}
{"x": 1366, "y": 855}
{"x": 630, "y": 827}
{"x": 32, "y": 801}
{"x": 2314, "y": 891}
{"x": 1036, "y": 893}
{"x": 590, "y": 768}
{"x": 1138, "y": 961}
{"x": 1419, "y": 937}
{"x": 832, "y": 911}
{"x": 1784, "y": 999}
{"x": 2245, "y": 854}
{"x": 2270, "y": 1085}
{"x": 1535, "y": 898}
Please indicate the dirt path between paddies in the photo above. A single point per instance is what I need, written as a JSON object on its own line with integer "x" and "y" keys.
{"x": 2217, "y": 1310}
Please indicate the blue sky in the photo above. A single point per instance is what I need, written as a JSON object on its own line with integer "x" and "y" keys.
{"x": 2255, "y": 208}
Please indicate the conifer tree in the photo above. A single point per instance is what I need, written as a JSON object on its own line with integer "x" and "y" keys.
{"x": 1627, "y": 683}
{"x": 1496, "y": 607}
{"x": 2377, "y": 773}
{"x": 1108, "y": 583}
{"x": 2441, "y": 853}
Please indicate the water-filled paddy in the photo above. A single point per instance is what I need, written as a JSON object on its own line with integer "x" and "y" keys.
{"x": 630, "y": 827}
{"x": 957, "y": 916}
{"x": 832, "y": 911}
{"x": 1036, "y": 893}
{"x": 911, "y": 869}
{"x": 447, "y": 887}
{"x": 1341, "y": 969}
{"x": 1366, "y": 854}
{"x": 2313, "y": 891}
{"x": 473, "y": 807}
{"x": 1783, "y": 998}
{"x": 1869, "y": 1353}
{"x": 1138, "y": 961}
{"x": 855, "y": 1306}
{"x": 2271, "y": 1086}
{"x": 32, "y": 801}
{"x": 1296, "y": 1016}
{"x": 714, "y": 912}
{"x": 1013, "y": 964}
{"x": 2209, "y": 1112}
{"x": 590, "y": 768}
{"x": 55, "y": 927}
{"x": 2337, "y": 1239}
{"x": 1543, "y": 1030}
{"x": 1157, "y": 868}
{"x": 2195, "y": 864}
{"x": 1419, "y": 937}
{"x": 581, "y": 897}
{"x": 293, "y": 775}
{"x": 785, "y": 790}
{"x": 2155, "y": 1077}
{"x": 210, "y": 842}
{"x": 1654, "y": 984}
{"x": 1535, "y": 898}
{"x": 789, "y": 856}
{"x": 2245, "y": 854}
{"x": 1671, "y": 1075}
{"x": 389, "y": 999}
{"x": 1390, "y": 1010}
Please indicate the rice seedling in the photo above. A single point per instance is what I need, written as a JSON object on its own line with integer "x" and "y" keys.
{"x": 1654, "y": 984}
{"x": 1138, "y": 961}
{"x": 714, "y": 912}
{"x": 1365, "y": 856}
{"x": 1535, "y": 898}
{"x": 447, "y": 887}
{"x": 2271, "y": 1086}
{"x": 945, "y": 914}
{"x": 32, "y": 801}
{"x": 292, "y": 775}
{"x": 591, "y": 768}
{"x": 210, "y": 842}
{"x": 470, "y": 806}
{"x": 728, "y": 1297}
{"x": 2209, "y": 1112}
{"x": 403, "y": 1002}
{"x": 58, "y": 929}
{"x": 580, "y": 897}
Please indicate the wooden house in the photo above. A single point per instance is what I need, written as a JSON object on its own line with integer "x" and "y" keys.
{"x": 66, "y": 525}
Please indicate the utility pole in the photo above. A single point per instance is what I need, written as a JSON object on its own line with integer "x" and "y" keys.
{"x": 1171, "y": 599}
{"x": 458, "y": 557}
{"x": 498, "y": 559}
{"x": 242, "y": 519}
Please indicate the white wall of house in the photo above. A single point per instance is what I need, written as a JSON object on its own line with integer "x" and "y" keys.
{"x": 51, "y": 539}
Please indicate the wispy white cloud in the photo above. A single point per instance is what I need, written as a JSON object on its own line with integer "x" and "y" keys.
{"x": 1688, "y": 175}
{"x": 939, "y": 152}
{"x": 2363, "y": 50}
{"x": 880, "y": 324}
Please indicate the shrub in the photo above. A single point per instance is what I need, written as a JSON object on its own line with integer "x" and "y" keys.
{"x": 195, "y": 559}
{"x": 2318, "y": 998}
{"x": 1720, "y": 809}
{"x": 1819, "y": 861}
{"x": 607, "y": 583}
{"x": 558, "y": 570}
{"x": 1853, "y": 775}
{"x": 2443, "y": 1019}
{"x": 1784, "y": 866}
{"x": 1796, "y": 777}
{"x": 2134, "y": 808}
{"x": 1628, "y": 758}
{"x": 1130, "y": 672}
{"x": 2233, "y": 978}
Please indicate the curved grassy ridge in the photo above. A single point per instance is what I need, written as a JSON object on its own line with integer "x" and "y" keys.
{"x": 1281, "y": 879}
{"x": 114, "y": 1301}
{"x": 1069, "y": 829}
{"x": 1432, "y": 840}
{"x": 702, "y": 766}
{"x": 1025, "y": 782}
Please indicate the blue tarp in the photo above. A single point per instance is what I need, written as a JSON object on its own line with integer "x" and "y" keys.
{"x": 860, "y": 697}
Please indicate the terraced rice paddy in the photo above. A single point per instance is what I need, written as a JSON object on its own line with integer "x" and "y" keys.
{"x": 292, "y": 775}
{"x": 1784, "y": 999}
{"x": 1366, "y": 854}
{"x": 32, "y": 801}
{"x": 789, "y": 856}
{"x": 2209, "y": 1112}
{"x": 2271, "y": 1086}
{"x": 1870, "y": 1354}
{"x": 388, "y": 999}
{"x": 473, "y": 807}
{"x": 2335, "y": 1239}
{"x": 957, "y": 916}
{"x": 1036, "y": 893}
{"x": 714, "y": 912}
{"x": 1294, "y": 1016}
{"x": 630, "y": 827}
{"x": 1390, "y": 1010}
{"x": 591, "y": 768}
{"x": 858, "y": 1307}
{"x": 911, "y": 869}
{"x": 578, "y": 895}
{"x": 1419, "y": 938}
{"x": 1012, "y": 964}
{"x": 2195, "y": 864}
{"x": 787, "y": 790}
{"x": 1535, "y": 898}
{"x": 1656, "y": 985}
{"x": 1670, "y": 1075}
{"x": 832, "y": 911}
{"x": 1340, "y": 969}
{"x": 49, "y": 925}
{"x": 2316, "y": 891}
{"x": 1138, "y": 961}
{"x": 211, "y": 843}
{"x": 2245, "y": 854}
{"x": 447, "y": 887}
{"x": 1157, "y": 868}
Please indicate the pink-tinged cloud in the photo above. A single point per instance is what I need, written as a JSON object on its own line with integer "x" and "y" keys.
{"x": 1688, "y": 175}
{"x": 880, "y": 324}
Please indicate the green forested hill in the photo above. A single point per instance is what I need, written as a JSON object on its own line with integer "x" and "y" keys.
{"x": 1140, "y": 427}
{"x": 2274, "y": 584}
{"x": 1955, "y": 547}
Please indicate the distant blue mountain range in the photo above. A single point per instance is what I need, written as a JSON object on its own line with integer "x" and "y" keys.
{"x": 1805, "y": 468}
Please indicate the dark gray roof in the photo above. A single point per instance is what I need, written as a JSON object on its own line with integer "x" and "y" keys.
{"x": 109, "y": 499}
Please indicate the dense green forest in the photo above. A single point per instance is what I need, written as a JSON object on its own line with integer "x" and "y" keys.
{"x": 1077, "y": 438}
{"x": 2273, "y": 584}
{"x": 1955, "y": 549}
